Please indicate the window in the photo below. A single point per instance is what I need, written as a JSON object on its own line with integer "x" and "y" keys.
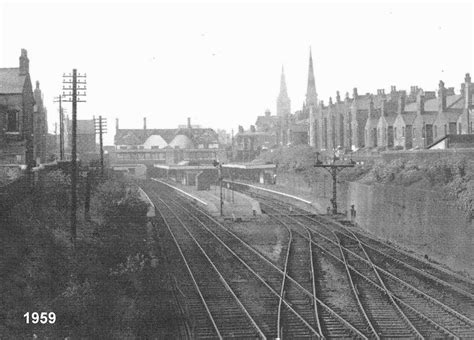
{"x": 12, "y": 121}
{"x": 435, "y": 131}
{"x": 154, "y": 147}
{"x": 403, "y": 131}
{"x": 459, "y": 128}
{"x": 395, "y": 132}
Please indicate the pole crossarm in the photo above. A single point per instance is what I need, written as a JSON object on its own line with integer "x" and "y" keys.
{"x": 333, "y": 169}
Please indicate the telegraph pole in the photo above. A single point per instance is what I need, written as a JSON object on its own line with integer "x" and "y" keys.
{"x": 333, "y": 169}
{"x": 58, "y": 99}
{"x": 101, "y": 128}
{"x": 72, "y": 85}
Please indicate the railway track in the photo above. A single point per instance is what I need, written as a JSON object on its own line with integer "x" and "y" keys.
{"x": 241, "y": 279}
{"x": 271, "y": 277}
{"x": 416, "y": 310}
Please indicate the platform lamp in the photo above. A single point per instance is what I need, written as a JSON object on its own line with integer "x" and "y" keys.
{"x": 218, "y": 165}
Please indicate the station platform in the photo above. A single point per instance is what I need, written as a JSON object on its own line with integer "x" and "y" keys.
{"x": 235, "y": 205}
{"x": 291, "y": 195}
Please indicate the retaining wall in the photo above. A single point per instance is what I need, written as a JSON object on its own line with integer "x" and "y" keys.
{"x": 421, "y": 220}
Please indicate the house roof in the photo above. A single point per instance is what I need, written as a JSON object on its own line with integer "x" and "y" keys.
{"x": 408, "y": 118}
{"x": 266, "y": 120}
{"x": 429, "y": 117}
{"x": 11, "y": 82}
{"x": 390, "y": 118}
{"x": 456, "y": 141}
{"x": 372, "y": 122}
{"x": 455, "y": 102}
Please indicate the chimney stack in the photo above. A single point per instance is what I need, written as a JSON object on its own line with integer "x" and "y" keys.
{"x": 383, "y": 107}
{"x": 252, "y": 128}
{"x": 354, "y": 93}
{"x": 338, "y": 97}
{"x": 24, "y": 63}
{"x": 393, "y": 89}
{"x": 347, "y": 97}
{"x": 330, "y": 101}
{"x": 144, "y": 123}
{"x": 401, "y": 103}
{"x": 420, "y": 102}
{"x": 441, "y": 97}
{"x": 467, "y": 91}
{"x": 116, "y": 123}
{"x": 267, "y": 113}
{"x": 241, "y": 129}
{"x": 371, "y": 107}
{"x": 189, "y": 122}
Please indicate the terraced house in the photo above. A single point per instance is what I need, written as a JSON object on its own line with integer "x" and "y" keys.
{"x": 394, "y": 120}
{"x": 16, "y": 114}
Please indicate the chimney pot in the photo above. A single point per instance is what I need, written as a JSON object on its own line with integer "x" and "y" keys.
{"x": 354, "y": 93}
{"x": 144, "y": 123}
{"x": 24, "y": 63}
{"x": 116, "y": 123}
{"x": 189, "y": 122}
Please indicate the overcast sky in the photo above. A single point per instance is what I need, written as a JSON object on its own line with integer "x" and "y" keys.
{"x": 220, "y": 63}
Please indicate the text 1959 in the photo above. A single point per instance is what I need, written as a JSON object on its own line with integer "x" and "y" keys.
{"x": 43, "y": 317}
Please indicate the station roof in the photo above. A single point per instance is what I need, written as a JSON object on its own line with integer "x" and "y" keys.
{"x": 184, "y": 167}
{"x": 249, "y": 166}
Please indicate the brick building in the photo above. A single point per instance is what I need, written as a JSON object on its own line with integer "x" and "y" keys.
{"x": 16, "y": 114}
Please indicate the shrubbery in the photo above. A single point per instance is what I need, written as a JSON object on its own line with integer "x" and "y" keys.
{"x": 454, "y": 175}
{"x": 96, "y": 291}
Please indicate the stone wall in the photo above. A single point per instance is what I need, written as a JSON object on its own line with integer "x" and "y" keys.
{"x": 421, "y": 220}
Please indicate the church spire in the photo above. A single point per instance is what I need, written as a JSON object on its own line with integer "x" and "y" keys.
{"x": 283, "y": 101}
{"x": 311, "y": 95}
{"x": 283, "y": 91}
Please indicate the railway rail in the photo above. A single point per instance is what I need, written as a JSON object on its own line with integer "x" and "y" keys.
{"x": 407, "y": 306}
{"x": 295, "y": 319}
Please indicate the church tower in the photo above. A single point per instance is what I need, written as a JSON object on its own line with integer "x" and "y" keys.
{"x": 283, "y": 101}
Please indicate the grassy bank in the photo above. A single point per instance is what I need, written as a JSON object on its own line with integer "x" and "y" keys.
{"x": 114, "y": 285}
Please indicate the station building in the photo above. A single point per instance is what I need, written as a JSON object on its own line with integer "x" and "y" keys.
{"x": 148, "y": 147}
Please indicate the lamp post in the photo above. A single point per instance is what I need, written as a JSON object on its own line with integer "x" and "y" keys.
{"x": 218, "y": 165}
